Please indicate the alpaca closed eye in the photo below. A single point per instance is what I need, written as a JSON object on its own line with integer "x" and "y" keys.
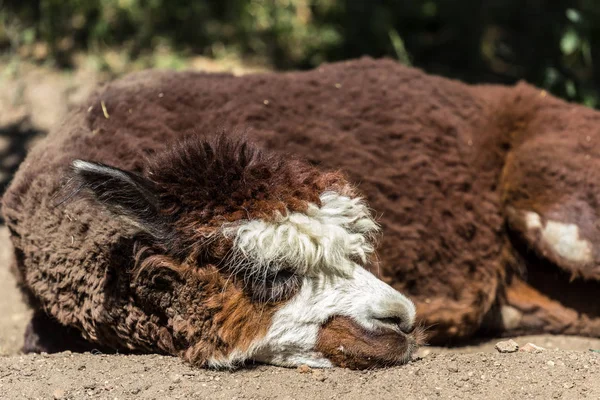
{"x": 391, "y": 320}
{"x": 277, "y": 286}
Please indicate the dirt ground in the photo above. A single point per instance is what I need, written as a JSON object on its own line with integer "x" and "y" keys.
{"x": 567, "y": 369}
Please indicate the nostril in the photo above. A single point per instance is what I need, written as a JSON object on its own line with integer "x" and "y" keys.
{"x": 398, "y": 322}
{"x": 391, "y": 320}
{"x": 396, "y": 313}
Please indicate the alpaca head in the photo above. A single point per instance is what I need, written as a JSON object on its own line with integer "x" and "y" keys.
{"x": 266, "y": 258}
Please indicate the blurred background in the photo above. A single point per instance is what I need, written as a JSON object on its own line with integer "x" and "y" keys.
{"x": 53, "y": 52}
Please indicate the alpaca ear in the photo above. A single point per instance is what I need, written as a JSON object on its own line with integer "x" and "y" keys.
{"x": 124, "y": 193}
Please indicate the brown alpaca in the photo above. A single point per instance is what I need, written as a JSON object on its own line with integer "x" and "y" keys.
{"x": 210, "y": 248}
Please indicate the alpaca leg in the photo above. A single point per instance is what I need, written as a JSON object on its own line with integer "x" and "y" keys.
{"x": 557, "y": 280}
{"x": 552, "y": 202}
{"x": 540, "y": 309}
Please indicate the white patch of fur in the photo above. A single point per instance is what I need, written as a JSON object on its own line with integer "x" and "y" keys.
{"x": 320, "y": 240}
{"x": 511, "y": 317}
{"x": 563, "y": 238}
{"x": 232, "y": 361}
{"x": 533, "y": 220}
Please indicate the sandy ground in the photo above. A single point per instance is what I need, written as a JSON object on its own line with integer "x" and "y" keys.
{"x": 567, "y": 369}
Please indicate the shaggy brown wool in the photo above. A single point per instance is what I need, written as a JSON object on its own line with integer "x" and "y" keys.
{"x": 447, "y": 167}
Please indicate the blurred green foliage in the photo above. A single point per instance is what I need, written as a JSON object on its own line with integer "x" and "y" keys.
{"x": 554, "y": 44}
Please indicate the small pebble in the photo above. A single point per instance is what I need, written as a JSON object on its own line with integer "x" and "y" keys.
{"x": 550, "y": 363}
{"x": 303, "y": 369}
{"x": 175, "y": 378}
{"x": 531, "y": 348}
{"x": 453, "y": 367}
{"x": 507, "y": 346}
{"x": 58, "y": 394}
{"x": 319, "y": 376}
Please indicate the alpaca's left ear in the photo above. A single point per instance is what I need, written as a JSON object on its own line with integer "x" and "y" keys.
{"x": 124, "y": 193}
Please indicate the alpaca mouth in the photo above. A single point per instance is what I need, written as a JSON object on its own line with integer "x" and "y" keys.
{"x": 349, "y": 345}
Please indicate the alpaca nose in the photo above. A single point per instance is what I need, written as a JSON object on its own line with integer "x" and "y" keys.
{"x": 398, "y": 314}
{"x": 379, "y": 306}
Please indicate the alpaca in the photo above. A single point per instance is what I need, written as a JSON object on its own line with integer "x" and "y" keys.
{"x": 210, "y": 249}
{"x": 484, "y": 195}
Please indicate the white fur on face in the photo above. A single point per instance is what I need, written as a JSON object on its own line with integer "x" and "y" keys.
{"x": 292, "y": 337}
{"x": 320, "y": 246}
{"x": 320, "y": 240}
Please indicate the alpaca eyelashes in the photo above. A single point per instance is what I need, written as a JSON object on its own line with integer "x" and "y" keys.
{"x": 273, "y": 282}
{"x": 272, "y": 287}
